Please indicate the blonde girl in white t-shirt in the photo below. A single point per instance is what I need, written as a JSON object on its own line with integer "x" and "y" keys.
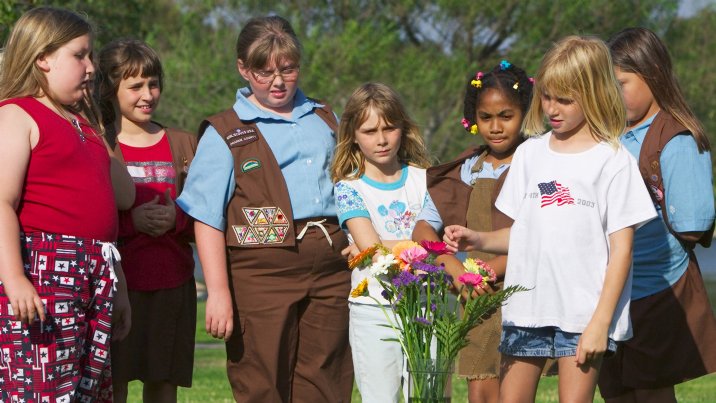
{"x": 379, "y": 176}
{"x": 576, "y": 197}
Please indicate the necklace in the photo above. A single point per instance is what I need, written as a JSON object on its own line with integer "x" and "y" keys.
{"x": 75, "y": 124}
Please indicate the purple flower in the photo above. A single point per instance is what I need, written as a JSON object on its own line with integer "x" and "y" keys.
{"x": 386, "y": 294}
{"x": 423, "y": 321}
{"x": 433, "y": 307}
{"x": 404, "y": 279}
{"x": 428, "y": 268}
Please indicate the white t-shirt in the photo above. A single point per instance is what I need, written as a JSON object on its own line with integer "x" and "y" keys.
{"x": 564, "y": 207}
{"x": 391, "y": 207}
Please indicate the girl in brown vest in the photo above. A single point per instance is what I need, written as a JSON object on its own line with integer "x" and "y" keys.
{"x": 463, "y": 191}
{"x": 154, "y": 234}
{"x": 674, "y": 159}
{"x": 261, "y": 194}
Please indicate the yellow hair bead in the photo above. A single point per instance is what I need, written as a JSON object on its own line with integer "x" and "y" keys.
{"x": 476, "y": 83}
{"x": 473, "y": 129}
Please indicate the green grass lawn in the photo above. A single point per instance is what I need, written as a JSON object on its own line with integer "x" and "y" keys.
{"x": 211, "y": 385}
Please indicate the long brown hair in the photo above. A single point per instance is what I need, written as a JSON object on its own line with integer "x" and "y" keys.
{"x": 640, "y": 51}
{"x": 349, "y": 161}
{"x": 39, "y": 32}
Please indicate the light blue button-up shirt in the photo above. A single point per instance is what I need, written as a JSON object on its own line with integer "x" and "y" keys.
{"x": 659, "y": 259}
{"x": 303, "y": 146}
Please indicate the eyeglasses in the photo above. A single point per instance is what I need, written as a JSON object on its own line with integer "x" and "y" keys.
{"x": 287, "y": 74}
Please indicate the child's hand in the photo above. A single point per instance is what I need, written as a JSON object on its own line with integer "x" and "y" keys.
{"x": 350, "y": 251}
{"x": 26, "y": 303}
{"x": 122, "y": 311}
{"x": 164, "y": 216}
{"x": 458, "y": 238}
{"x": 592, "y": 344}
{"x": 219, "y": 315}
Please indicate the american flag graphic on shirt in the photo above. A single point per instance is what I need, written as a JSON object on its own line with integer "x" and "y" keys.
{"x": 553, "y": 192}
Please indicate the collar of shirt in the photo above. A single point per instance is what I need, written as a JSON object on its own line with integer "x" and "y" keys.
{"x": 247, "y": 110}
{"x": 638, "y": 133}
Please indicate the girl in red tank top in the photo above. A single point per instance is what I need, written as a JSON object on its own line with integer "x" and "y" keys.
{"x": 58, "y": 283}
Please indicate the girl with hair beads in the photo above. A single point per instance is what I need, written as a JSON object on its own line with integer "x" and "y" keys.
{"x": 154, "y": 234}
{"x": 379, "y": 171}
{"x": 260, "y": 190}
{"x": 675, "y": 162}
{"x": 575, "y": 196}
{"x": 60, "y": 290}
{"x": 463, "y": 192}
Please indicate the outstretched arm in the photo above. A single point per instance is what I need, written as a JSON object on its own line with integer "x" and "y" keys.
{"x": 460, "y": 238}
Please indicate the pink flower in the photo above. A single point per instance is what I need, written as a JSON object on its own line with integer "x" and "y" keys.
{"x": 471, "y": 279}
{"x": 413, "y": 254}
{"x": 436, "y": 248}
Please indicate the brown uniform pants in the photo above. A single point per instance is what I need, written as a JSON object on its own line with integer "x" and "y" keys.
{"x": 291, "y": 344}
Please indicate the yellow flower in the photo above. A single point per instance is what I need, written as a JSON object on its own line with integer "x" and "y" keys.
{"x": 361, "y": 289}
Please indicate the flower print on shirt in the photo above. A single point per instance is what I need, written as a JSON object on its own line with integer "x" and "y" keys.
{"x": 398, "y": 219}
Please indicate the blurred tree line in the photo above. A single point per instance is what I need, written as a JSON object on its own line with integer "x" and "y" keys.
{"x": 424, "y": 49}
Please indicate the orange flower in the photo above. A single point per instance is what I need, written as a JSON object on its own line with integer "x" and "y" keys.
{"x": 398, "y": 250}
{"x": 361, "y": 289}
{"x": 364, "y": 258}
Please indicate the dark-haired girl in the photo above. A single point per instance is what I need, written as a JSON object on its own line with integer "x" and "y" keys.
{"x": 463, "y": 191}
{"x": 674, "y": 158}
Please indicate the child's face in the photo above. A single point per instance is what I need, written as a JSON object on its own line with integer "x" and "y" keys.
{"x": 273, "y": 86}
{"x": 564, "y": 114}
{"x": 378, "y": 141}
{"x": 638, "y": 98}
{"x": 138, "y": 98}
{"x": 499, "y": 121}
{"x": 69, "y": 70}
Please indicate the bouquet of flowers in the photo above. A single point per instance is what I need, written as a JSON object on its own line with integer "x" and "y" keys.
{"x": 429, "y": 326}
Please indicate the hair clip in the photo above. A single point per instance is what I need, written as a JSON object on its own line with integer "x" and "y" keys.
{"x": 504, "y": 65}
{"x": 465, "y": 123}
{"x": 532, "y": 80}
{"x": 473, "y": 129}
{"x": 476, "y": 83}
{"x": 516, "y": 86}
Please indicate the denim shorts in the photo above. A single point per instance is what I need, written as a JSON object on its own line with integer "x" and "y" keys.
{"x": 549, "y": 342}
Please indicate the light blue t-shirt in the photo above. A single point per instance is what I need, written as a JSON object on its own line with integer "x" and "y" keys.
{"x": 303, "y": 146}
{"x": 430, "y": 214}
{"x": 659, "y": 259}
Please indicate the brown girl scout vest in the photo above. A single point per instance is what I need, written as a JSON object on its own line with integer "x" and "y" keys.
{"x": 662, "y": 129}
{"x": 259, "y": 213}
{"x": 452, "y": 196}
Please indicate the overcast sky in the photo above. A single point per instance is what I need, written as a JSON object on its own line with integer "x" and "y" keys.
{"x": 687, "y": 8}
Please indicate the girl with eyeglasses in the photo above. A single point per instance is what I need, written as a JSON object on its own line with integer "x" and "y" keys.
{"x": 262, "y": 196}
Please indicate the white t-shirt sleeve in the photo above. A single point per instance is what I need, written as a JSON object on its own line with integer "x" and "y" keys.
{"x": 628, "y": 200}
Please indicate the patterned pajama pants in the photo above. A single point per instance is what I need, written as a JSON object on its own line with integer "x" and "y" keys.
{"x": 66, "y": 357}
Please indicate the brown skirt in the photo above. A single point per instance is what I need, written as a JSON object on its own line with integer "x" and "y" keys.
{"x": 674, "y": 339}
{"x": 160, "y": 345}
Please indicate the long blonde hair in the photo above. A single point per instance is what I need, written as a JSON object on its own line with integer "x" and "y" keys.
{"x": 580, "y": 68}
{"x": 38, "y": 32}
{"x": 349, "y": 161}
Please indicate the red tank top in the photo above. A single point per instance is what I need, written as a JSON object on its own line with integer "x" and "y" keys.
{"x": 67, "y": 188}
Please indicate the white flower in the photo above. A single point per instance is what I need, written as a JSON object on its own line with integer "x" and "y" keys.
{"x": 382, "y": 264}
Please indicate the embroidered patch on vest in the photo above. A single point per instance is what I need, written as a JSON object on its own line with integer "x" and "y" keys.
{"x": 267, "y": 225}
{"x": 242, "y": 136}
{"x": 250, "y": 164}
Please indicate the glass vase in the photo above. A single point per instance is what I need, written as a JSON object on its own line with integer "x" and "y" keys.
{"x": 429, "y": 381}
